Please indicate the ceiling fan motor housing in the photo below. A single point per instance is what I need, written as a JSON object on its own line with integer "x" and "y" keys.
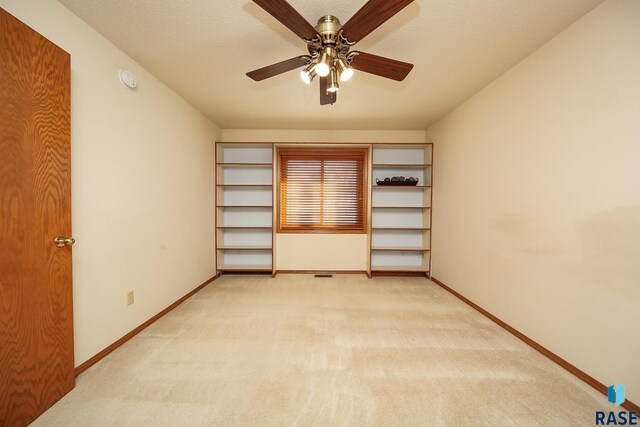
{"x": 328, "y": 28}
{"x": 330, "y": 40}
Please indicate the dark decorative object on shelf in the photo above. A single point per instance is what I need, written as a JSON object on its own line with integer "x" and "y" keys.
{"x": 399, "y": 181}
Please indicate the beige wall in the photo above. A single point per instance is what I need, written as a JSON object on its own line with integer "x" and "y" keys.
{"x": 142, "y": 184}
{"x": 537, "y": 195}
{"x": 328, "y": 252}
{"x": 333, "y": 136}
{"x": 321, "y": 251}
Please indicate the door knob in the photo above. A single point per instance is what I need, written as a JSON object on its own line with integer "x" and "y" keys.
{"x": 60, "y": 241}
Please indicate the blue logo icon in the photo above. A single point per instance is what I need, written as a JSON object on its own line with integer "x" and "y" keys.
{"x": 615, "y": 394}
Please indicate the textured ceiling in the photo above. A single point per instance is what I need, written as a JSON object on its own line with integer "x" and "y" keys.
{"x": 202, "y": 49}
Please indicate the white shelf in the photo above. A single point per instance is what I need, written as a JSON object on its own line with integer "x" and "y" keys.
{"x": 400, "y": 187}
{"x": 398, "y": 249}
{"x": 401, "y": 207}
{"x": 244, "y": 153}
{"x": 269, "y": 227}
{"x": 245, "y": 206}
{"x": 237, "y": 196}
{"x": 400, "y": 269}
{"x": 246, "y": 165}
{"x": 244, "y": 248}
{"x": 245, "y": 268}
{"x": 400, "y": 165}
{"x": 401, "y": 215}
{"x": 244, "y": 186}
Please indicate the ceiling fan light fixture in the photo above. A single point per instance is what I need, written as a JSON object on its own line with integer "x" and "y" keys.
{"x": 308, "y": 73}
{"x": 323, "y": 67}
{"x": 332, "y": 82}
{"x": 344, "y": 70}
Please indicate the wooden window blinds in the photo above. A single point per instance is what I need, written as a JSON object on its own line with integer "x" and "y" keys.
{"x": 322, "y": 190}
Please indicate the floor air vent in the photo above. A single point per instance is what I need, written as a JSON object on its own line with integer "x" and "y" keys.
{"x": 323, "y": 275}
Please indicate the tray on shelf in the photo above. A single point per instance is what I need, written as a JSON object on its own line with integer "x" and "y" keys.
{"x": 398, "y": 183}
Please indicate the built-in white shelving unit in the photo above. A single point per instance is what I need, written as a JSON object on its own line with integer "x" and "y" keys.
{"x": 400, "y": 221}
{"x": 244, "y": 207}
{"x": 401, "y": 215}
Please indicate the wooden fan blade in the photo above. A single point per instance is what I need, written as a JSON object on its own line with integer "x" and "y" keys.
{"x": 326, "y": 97}
{"x": 279, "y": 68}
{"x": 381, "y": 66}
{"x": 373, "y": 14}
{"x": 287, "y": 15}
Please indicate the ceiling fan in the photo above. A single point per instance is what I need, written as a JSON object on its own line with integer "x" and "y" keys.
{"x": 329, "y": 45}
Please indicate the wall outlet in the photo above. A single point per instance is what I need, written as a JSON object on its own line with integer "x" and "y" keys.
{"x": 130, "y": 298}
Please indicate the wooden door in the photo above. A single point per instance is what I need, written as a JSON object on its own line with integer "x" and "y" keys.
{"x": 36, "y": 325}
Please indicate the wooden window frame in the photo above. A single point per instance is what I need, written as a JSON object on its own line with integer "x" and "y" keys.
{"x": 337, "y": 152}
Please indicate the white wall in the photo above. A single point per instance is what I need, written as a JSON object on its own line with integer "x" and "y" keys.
{"x": 322, "y": 251}
{"x": 537, "y": 196}
{"x": 142, "y": 184}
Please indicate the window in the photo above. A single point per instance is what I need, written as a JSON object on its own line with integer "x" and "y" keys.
{"x": 322, "y": 190}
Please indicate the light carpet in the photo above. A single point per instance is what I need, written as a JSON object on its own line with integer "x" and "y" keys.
{"x": 345, "y": 351}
